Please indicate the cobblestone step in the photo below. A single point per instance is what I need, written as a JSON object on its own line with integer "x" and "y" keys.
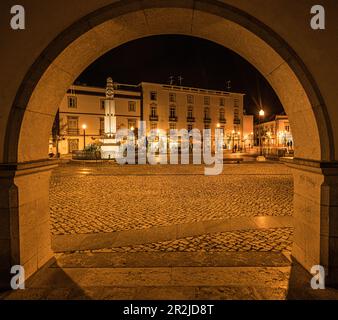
{"x": 76, "y": 242}
{"x": 170, "y": 259}
{"x": 77, "y": 276}
{"x": 271, "y": 277}
{"x": 151, "y": 293}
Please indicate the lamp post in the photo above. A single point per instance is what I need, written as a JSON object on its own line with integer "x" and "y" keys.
{"x": 261, "y": 115}
{"x": 238, "y": 139}
{"x": 84, "y": 127}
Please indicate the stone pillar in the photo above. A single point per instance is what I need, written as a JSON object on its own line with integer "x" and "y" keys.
{"x": 316, "y": 216}
{"x": 8, "y": 208}
{"x": 24, "y": 217}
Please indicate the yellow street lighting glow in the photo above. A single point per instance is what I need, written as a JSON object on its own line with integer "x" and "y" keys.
{"x": 132, "y": 129}
{"x": 261, "y": 112}
{"x": 218, "y": 125}
{"x": 84, "y": 126}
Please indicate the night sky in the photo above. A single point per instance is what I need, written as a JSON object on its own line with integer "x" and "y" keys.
{"x": 201, "y": 63}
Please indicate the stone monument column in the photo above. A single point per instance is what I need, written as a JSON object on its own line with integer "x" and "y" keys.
{"x": 109, "y": 106}
{"x": 110, "y": 147}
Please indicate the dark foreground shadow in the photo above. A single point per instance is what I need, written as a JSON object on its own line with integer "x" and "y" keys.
{"x": 49, "y": 283}
{"x": 300, "y": 286}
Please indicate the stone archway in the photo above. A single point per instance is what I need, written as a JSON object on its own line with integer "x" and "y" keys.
{"x": 45, "y": 84}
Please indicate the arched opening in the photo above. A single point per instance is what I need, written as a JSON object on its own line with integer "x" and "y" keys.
{"x": 68, "y": 55}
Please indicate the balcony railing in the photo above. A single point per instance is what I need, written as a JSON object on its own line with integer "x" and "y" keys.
{"x": 173, "y": 119}
{"x": 153, "y": 118}
{"x": 237, "y": 121}
{"x": 73, "y": 132}
{"x": 190, "y": 119}
{"x": 207, "y": 120}
{"x": 222, "y": 121}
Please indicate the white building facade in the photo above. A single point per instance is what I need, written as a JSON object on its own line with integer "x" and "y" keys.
{"x": 85, "y": 106}
{"x": 275, "y": 133}
{"x": 161, "y": 106}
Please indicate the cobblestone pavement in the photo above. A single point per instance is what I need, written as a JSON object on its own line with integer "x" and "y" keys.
{"x": 108, "y": 198}
{"x": 266, "y": 240}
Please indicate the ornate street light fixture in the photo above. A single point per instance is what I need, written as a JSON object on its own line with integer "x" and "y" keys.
{"x": 261, "y": 115}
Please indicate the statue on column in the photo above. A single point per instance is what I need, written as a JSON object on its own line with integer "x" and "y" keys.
{"x": 109, "y": 106}
{"x": 110, "y": 147}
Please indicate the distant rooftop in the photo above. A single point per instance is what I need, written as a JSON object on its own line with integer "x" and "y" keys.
{"x": 136, "y": 88}
{"x": 191, "y": 89}
{"x": 275, "y": 117}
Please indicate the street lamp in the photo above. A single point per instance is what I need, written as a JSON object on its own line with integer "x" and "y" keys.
{"x": 238, "y": 139}
{"x": 261, "y": 115}
{"x": 84, "y": 127}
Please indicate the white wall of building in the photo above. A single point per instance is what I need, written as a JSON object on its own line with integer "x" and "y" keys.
{"x": 88, "y": 110}
{"x": 275, "y": 133}
{"x": 198, "y": 103}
